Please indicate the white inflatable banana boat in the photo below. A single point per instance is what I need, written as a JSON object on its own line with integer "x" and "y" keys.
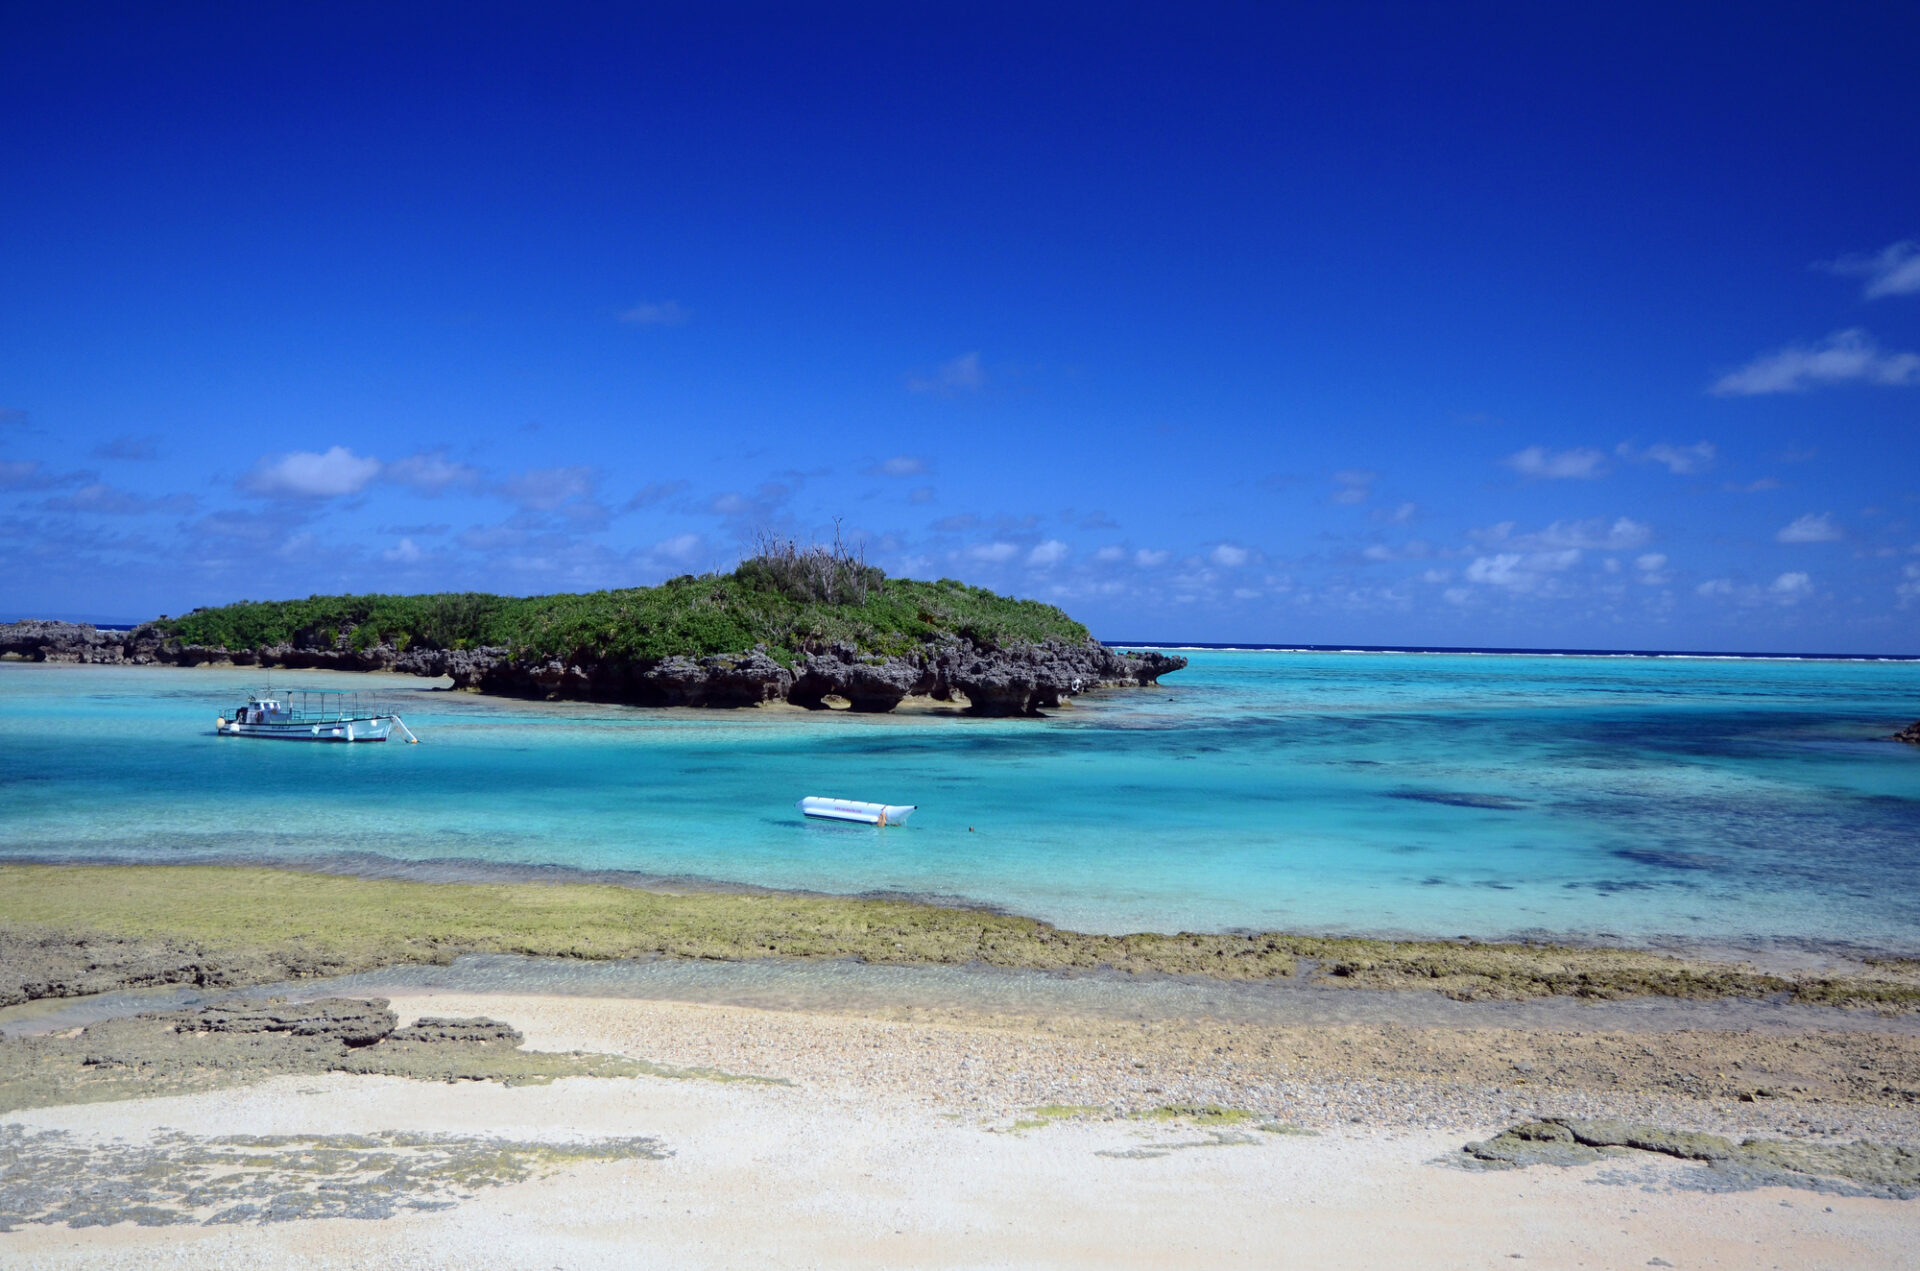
{"x": 853, "y": 810}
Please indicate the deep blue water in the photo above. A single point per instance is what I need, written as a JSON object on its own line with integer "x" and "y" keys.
{"x": 1641, "y": 798}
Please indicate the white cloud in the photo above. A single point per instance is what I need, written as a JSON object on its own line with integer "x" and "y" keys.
{"x": 102, "y": 499}
{"x": 1623, "y": 534}
{"x": 1150, "y": 558}
{"x": 306, "y": 474}
{"x": 1894, "y": 270}
{"x": 1790, "y": 589}
{"x": 681, "y": 548}
{"x": 545, "y": 489}
{"x": 993, "y": 552}
{"x": 431, "y": 472}
{"x": 1521, "y": 571}
{"x": 1049, "y": 553}
{"x": 1537, "y": 461}
{"x": 654, "y": 493}
{"x": 405, "y": 552}
{"x": 1653, "y": 568}
{"x": 656, "y": 313}
{"x": 1437, "y": 576}
{"x": 1679, "y": 460}
{"x": 1843, "y": 357}
{"x": 962, "y": 374}
{"x": 1404, "y": 513}
{"x": 1110, "y": 554}
{"x": 1787, "y": 589}
{"x": 1229, "y": 556}
{"x": 1811, "y": 529}
{"x": 1412, "y": 549}
{"x": 1355, "y": 485}
{"x": 898, "y": 466}
{"x": 1908, "y": 590}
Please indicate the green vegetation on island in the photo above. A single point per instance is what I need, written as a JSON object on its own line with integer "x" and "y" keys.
{"x": 785, "y": 598}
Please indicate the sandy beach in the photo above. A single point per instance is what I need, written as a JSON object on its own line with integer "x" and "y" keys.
{"x": 939, "y": 1138}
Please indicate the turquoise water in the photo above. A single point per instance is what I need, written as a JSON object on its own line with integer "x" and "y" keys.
{"x": 1645, "y": 799}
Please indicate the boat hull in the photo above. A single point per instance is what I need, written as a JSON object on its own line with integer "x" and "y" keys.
{"x": 350, "y": 730}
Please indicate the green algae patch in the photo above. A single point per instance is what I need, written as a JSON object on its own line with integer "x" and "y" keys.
{"x": 1054, "y": 1113}
{"x": 1067, "y": 1111}
{"x": 1202, "y": 1114}
{"x": 54, "y": 1177}
{"x": 1855, "y": 1169}
{"x": 71, "y": 930}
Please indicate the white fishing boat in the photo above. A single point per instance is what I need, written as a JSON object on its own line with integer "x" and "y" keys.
{"x": 311, "y": 715}
{"x": 853, "y": 810}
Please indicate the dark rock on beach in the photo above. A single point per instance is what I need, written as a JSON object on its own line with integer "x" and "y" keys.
{"x": 1020, "y": 679}
{"x": 234, "y": 1043}
{"x": 347, "y": 1021}
{"x": 1849, "y": 1169}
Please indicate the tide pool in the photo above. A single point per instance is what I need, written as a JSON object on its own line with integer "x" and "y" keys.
{"x": 1640, "y": 799}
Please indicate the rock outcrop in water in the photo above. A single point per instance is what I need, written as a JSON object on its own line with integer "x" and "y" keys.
{"x": 1910, "y": 734}
{"x": 1015, "y": 680}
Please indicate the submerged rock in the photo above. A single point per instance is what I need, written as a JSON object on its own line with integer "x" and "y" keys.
{"x": 1910, "y": 734}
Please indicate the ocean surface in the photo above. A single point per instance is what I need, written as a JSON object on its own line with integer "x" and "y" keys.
{"x": 1720, "y": 800}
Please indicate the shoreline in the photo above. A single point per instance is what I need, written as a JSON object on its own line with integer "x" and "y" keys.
{"x": 1779, "y": 956}
{"x": 946, "y": 1111}
{"x": 71, "y": 929}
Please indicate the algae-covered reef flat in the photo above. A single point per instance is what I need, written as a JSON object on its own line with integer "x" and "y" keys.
{"x": 787, "y": 625}
{"x": 71, "y": 930}
{"x": 178, "y": 1052}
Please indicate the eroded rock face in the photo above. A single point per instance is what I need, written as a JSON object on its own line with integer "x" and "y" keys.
{"x": 38, "y": 641}
{"x": 1016, "y": 680}
{"x": 870, "y": 683}
{"x": 348, "y": 1021}
{"x": 1847, "y": 1169}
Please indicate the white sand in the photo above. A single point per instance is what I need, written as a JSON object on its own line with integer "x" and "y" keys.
{"x": 858, "y": 1165}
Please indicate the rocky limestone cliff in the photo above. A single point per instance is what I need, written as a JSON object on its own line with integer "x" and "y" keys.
{"x": 1017, "y": 680}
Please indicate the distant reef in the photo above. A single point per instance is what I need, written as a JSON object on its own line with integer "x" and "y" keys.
{"x": 777, "y": 629}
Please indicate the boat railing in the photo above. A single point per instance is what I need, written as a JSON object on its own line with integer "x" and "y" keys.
{"x": 325, "y": 706}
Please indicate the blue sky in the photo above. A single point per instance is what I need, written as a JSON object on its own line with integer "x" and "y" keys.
{"x": 1421, "y": 324}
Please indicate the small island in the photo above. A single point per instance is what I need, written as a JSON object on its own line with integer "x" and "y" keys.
{"x": 790, "y": 624}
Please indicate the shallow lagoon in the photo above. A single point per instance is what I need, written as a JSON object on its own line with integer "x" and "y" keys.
{"x": 1744, "y": 801}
